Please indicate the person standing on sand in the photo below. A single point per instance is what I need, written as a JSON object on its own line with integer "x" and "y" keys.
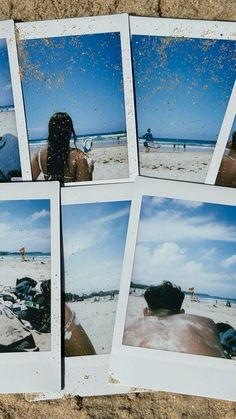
{"x": 165, "y": 326}
{"x": 59, "y": 161}
{"x": 227, "y": 172}
{"x": 148, "y": 137}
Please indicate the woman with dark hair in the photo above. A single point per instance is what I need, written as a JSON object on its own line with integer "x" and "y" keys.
{"x": 59, "y": 161}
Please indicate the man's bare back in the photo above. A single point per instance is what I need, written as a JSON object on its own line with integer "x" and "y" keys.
{"x": 178, "y": 333}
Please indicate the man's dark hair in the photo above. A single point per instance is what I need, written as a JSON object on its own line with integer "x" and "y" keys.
{"x": 164, "y": 296}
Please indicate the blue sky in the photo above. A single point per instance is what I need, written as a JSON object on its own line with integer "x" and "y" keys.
{"x": 25, "y": 223}
{"x": 6, "y": 98}
{"x": 191, "y": 244}
{"x": 182, "y": 86}
{"x": 94, "y": 237}
{"x": 81, "y": 75}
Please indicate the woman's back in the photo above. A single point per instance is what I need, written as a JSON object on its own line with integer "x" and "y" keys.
{"x": 77, "y": 169}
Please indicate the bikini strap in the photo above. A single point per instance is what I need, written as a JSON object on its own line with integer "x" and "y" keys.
{"x": 46, "y": 177}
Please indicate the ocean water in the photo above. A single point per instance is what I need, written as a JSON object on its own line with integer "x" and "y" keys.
{"x": 7, "y": 108}
{"x": 167, "y": 144}
{"x": 103, "y": 140}
{"x": 36, "y": 256}
{"x": 212, "y": 299}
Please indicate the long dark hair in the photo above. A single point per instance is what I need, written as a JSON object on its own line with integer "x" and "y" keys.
{"x": 60, "y": 131}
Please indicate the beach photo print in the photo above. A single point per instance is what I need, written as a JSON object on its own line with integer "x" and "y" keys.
{"x": 14, "y": 154}
{"x": 94, "y": 227}
{"x": 184, "y": 73}
{"x": 177, "y": 309}
{"x": 78, "y": 98}
{"x": 30, "y": 287}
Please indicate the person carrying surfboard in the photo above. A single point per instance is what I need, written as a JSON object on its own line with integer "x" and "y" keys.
{"x": 148, "y": 138}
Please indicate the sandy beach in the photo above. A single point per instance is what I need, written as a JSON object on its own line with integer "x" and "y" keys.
{"x": 13, "y": 268}
{"x": 109, "y": 162}
{"x": 182, "y": 165}
{"x": 204, "y": 308}
{"x": 97, "y": 319}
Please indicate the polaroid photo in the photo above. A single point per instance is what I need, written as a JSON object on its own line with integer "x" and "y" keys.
{"x": 78, "y": 96}
{"x": 176, "y": 313}
{"x": 30, "y": 342}
{"x": 222, "y": 171}
{"x": 94, "y": 227}
{"x": 184, "y": 73}
{"x": 14, "y": 152}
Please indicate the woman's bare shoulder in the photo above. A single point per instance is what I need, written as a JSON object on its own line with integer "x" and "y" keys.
{"x": 76, "y": 154}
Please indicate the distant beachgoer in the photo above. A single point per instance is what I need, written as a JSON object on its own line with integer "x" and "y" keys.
{"x": 184, "y": 147}
{"x": 59, "y": 161}
{"x": 148, "y": 137}
{"x": 227, "y": 172}
{"x": 118, "y": 139}
{"x": 87, "y": 145}
{"x": 77, "y": 342}
{"x": 165, "y": 325}
{"x": 228, "y": 304}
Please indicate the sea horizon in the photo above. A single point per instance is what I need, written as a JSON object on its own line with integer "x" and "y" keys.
{"x": 7, "y": 108}
{"x": 176, "y": 144}
{"x": 98, "y": 140}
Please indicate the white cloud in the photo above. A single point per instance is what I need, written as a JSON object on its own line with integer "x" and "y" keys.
{"x": 171, "y": 262}
{"x": 187, "y": 204}
{"x": 82, "y": 240}
{"x": 97, "y": 232}
{"x": 228, "y": 262}
{"x": 14, "y": 236}
{"x": 113, "y": 216}
{"x": 209, "y": 254}
{"x": 172, "y": 226}
{"x": 39, "y": 214}
{"x": 7, "y": 87}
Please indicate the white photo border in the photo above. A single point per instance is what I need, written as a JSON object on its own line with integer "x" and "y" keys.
{"x": 165, "y": 370}
{"x": 200, "y": 29}
{"x": 38, "y": 371}
{"x": 88, "y": 375}
{"x": 7, "y": 32}
{"x": 93, "y": 25}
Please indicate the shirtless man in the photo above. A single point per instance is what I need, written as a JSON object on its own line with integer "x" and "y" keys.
{"x": 227, "y": 172}
{"x": 166, "y": 327}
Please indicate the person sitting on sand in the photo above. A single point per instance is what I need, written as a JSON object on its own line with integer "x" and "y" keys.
{"x": 165, "y": 326}
{"x": 59, "y": 161}
{"x": 77, "y": 343}
{"x": 227, "y": 172}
